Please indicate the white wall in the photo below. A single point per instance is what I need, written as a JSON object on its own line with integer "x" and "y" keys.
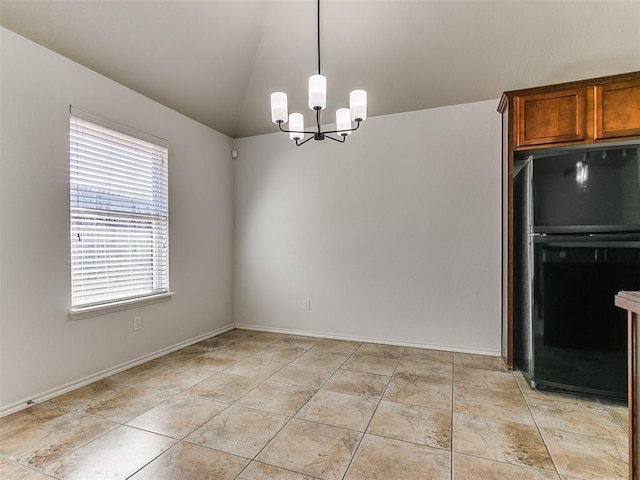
{"x": 41, "y": 348}
{"x": 394, "y": 235}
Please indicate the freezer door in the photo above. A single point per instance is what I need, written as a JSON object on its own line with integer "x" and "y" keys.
{"x": 580, "y": 336}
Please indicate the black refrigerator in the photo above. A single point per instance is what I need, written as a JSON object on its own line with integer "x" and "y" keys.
{"x": 576, "y": 244}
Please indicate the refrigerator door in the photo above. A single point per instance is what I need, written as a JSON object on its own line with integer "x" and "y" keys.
{"x": 580, "y": 337}
{"x": 585, "y": 191}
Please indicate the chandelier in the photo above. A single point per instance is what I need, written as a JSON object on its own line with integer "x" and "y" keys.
{"x": 357, "y": 111}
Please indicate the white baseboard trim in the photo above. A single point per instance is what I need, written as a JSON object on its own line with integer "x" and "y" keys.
{"x": 67, "y": 387}
{"x": 353, "y": 338}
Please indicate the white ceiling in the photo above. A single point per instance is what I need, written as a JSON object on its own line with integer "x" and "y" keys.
{"x": 217, "y": 61}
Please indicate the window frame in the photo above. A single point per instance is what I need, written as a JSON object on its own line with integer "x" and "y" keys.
{"x": 161, "y": 203}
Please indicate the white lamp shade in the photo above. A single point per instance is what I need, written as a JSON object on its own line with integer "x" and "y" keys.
{"x": 358, "y": 105}
{"x": 296, "y": 122}
{"x": 317, "y": 92}
{"x": 343, "y": 121}
{"x": 279, "y": 107}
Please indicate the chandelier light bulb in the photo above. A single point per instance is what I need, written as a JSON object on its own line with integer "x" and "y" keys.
{"x": 296, "y": 124}
{"x": 317, "y": 92}
{"x": 343, "y": 121}
{"x": 279, "y": 107}
{"x": 358, "y": 105}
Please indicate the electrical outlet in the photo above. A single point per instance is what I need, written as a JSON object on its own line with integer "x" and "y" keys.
{"x": 307, "y": 305}
{"x": 137, "y": 323}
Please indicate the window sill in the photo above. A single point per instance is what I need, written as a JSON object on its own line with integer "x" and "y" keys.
{"x": 105, "y": 308}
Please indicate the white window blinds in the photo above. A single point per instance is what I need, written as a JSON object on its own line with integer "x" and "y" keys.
{"x": 119, "y": 215}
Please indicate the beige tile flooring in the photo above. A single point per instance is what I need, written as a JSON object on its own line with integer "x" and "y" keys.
{"x": 254, "y": 406}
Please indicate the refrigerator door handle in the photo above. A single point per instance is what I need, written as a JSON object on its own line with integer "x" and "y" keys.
{"x": 531, "y": 268}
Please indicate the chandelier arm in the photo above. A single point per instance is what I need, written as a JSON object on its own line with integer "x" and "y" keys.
{"x": 343, "y": 137}
{"x": 298, "y": 143}
{"x": 294, "y": 131}
{"x": 319, "y": 130}
{"x": 349, "y": 130}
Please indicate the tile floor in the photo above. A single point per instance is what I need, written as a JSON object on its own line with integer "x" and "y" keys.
{"x": 255, "y": 406}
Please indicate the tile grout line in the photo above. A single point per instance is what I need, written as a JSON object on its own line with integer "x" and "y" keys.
{"x": 624, "y": 427}
{"x": 535, "y": 422}
{"x": 298, "y": 410}
{"x": 530, "y": 402}
{"x": 577, "y": 397}
{"x": 521, "y": 395}
{"x": 229, "y": 405}
{"x": 179, "y": 441}
{"x": 251, "y": 460}
{"x": 157, "y": 456}
{"x": 117, "y": 424}
{"x": 386, "y": 387}
{"x": 46, "y": 465}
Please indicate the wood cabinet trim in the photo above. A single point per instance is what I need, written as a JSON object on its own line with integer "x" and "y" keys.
{"x": 588, "y": 83}
{"x": 601, "y": 132}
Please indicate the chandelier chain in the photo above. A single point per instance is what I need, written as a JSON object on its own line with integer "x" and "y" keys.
{"x": 318, "y": 37}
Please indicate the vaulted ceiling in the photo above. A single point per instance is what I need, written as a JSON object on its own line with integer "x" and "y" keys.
{"x": 217, "y": 61}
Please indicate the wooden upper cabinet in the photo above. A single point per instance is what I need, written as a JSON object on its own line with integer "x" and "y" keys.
{"x": 587, "y": 111}
{"x": 617, "y": 110}
{"x": 554, "y": 117}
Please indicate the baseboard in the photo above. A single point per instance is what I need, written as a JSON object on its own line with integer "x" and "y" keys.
{"x": 353, "y": 338}
{"x": 67, "y": 387}
{"x": 62, "y": 389}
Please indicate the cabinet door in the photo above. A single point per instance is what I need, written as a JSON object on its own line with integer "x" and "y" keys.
{"x": 617, "y": 110}
{"x": 555, "y": 117}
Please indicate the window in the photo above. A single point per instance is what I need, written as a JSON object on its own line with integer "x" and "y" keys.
{"x": 119, "y": 214}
